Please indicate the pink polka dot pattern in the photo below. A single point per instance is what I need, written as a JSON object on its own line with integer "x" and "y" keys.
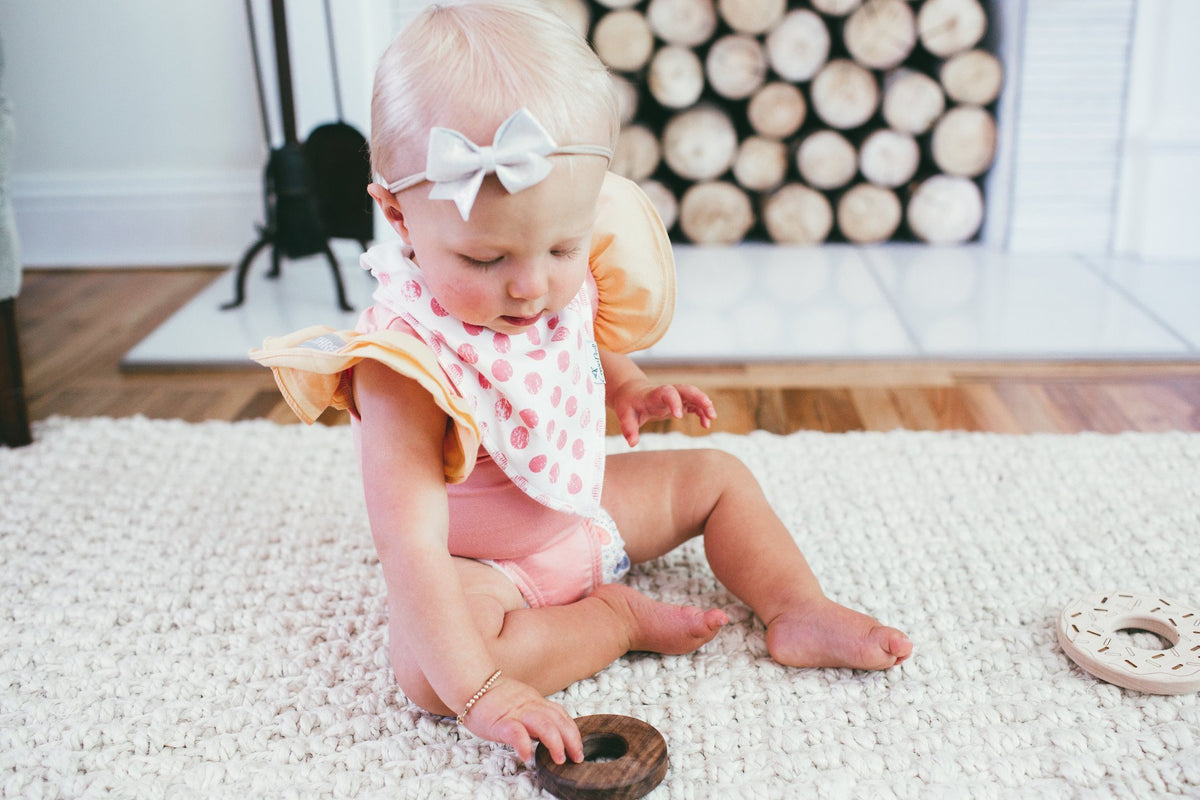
{"x": 540, "y": 420}
{"x": 519, "y": 438}
{"x": 502, "y": 370}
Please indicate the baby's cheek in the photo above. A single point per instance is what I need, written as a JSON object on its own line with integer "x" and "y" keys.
{"x": 569, "y": 281}
{"x": 467, "y": 300}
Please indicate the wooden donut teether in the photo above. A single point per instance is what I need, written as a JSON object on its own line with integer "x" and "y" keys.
{"x": 638, "y": 754}
{"x": 1086, "y": 628}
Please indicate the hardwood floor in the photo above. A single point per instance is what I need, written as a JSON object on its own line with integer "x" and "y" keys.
{"x": 76, "y": 325}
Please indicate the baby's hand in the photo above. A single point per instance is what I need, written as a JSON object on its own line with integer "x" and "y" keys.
{"x": 637, "y": 402}
{"x": 515, "y": 714}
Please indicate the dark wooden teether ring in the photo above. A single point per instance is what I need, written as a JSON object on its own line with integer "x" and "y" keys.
{"x": 639, "y": 760}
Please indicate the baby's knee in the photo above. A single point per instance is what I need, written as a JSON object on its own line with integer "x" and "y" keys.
{"x": 724, "y": 468}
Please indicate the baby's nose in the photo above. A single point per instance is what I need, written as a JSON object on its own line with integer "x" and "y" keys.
{"x": 529, "y": 281}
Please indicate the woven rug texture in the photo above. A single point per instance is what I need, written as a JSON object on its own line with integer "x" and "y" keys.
{"x": 196, "y": 611}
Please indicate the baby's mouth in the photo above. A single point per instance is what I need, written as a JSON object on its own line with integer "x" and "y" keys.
{"x": 522, "y": 322}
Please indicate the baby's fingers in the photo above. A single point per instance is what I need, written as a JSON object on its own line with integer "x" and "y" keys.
{"x": 698, "y": 403}
{"x": 629, "y": 425}
{"x": 513, "y": 734}
{"x": 558, "y": 733}
{"x": 665, "y": 401}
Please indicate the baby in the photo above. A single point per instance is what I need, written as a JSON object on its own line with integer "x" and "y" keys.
{"x": 477, "y": 384}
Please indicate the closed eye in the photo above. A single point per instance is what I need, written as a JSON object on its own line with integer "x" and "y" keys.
{"x": 569, "y": 252}
{"x": 475, "y": 262}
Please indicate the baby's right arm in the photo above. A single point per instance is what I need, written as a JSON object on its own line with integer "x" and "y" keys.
{"x": 401, "y": 434}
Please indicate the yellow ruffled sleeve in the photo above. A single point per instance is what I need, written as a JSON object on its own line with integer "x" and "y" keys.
{"x": 310, "y": 368}
{"x": 634, "y": 267}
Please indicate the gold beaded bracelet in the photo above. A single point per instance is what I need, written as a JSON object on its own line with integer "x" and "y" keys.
{"x": 488, "y": 684}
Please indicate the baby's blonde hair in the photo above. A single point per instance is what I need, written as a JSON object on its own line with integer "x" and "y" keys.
{"x": 476, "y": 62}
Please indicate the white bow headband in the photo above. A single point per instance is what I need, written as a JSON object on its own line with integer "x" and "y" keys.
{"x": 456, "y": 166}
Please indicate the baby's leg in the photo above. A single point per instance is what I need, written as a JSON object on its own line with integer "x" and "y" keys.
{"x": 660, "y": 499}
{"x": 552, "y": 647}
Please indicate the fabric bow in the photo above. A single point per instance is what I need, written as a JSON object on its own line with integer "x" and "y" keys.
{"x": 457, "y": 166}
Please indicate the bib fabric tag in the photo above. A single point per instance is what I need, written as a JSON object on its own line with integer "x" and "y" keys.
{"x": 327, "y": 343}
{"x": 596, "y": 367}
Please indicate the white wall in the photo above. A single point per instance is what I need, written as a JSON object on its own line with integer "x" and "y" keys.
{"x": 139, "y": 137}
{"x": 140, "y": 141}
{"x": 1105, "y": 146}
{"x": 1069, "y": 104}
{"x": 1159, "y": 206}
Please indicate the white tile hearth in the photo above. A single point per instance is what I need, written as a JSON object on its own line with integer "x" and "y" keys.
{"x": 758, "y": 302}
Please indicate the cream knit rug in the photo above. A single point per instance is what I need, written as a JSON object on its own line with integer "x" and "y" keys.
{"x": 196, "y": 611}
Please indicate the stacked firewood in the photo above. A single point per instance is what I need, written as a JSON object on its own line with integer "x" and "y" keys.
{"x": 801, "y": 122}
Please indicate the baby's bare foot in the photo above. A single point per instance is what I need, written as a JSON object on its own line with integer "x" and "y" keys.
{"x": 660, "y": 627}
{"x": 825, "y": 634}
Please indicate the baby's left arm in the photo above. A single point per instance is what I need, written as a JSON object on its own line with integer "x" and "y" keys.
{"x": 636, "y": 401}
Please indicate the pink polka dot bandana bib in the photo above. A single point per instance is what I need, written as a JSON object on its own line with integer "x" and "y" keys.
{"x": 537, "y": 396}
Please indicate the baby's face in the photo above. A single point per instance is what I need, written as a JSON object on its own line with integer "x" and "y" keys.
{"x": 520, "y": 256}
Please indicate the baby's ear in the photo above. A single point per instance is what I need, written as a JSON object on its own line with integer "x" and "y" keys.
{"x": 390, "y": 206}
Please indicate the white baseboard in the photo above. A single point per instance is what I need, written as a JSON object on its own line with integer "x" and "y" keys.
{"x": 126, "y": 219}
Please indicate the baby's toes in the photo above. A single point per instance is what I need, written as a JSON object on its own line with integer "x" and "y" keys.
{"x": 893, "y": 643}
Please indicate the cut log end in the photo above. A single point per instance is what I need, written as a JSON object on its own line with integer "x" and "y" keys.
{"x": 889, "y": 158}
{"x": 881, "y": 34}
{"x": 623, "y": 40}
{"x": 637, "y": 153}
{"x": 700, "y": 144}
{"x": 752, "y": 16}
{"x": 798, "y": 46}
{"x": 836, "y": 8}
{"x": 797, "y": 214}
{"x": 827, "y": 160}
{"x": 974, "y": 77}
{"x": 687, "y": 23}
{"x": 664, "y": 202}
{"x": 945, "y": 210}
{"x": 912, "y": 101}
{"x": 844, "y": 94}
{"x": 964, "y": 141}
{"x": 868, "y": 214}
{"x": 715, "y": 213}
{"x": 676, "y": 77}
{"x": 736, "y": 66}
{"x": 777, "y": 110}
{"x": 947, "y": 27}
{"x": 761, "y": 164}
